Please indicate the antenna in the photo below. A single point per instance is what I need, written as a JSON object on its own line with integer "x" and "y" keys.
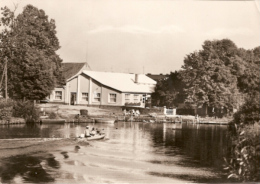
{"x": 87, "y": 56}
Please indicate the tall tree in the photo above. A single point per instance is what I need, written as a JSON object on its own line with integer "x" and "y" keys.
{"x": 211, "y": 74}
{"x": 169, "y": 91}
{"x": 30, "y": 43}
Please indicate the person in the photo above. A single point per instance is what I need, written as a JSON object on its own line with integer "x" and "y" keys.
{"x": 133, "y": 112}
{"x": 93, "y": 132}
{"x": 86, "y": 132}
{"x": 97, "y": 130}
{"x": 125, "y": 113}
{"x": 137, "y": 113}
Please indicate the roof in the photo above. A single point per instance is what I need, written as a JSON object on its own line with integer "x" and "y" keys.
{"x": 157, "y": 77}
{"x": 71, "y": 69}
{"x": 123, "y": 82}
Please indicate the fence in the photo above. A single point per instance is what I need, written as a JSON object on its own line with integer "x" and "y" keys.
{"x": 169, "y": 111}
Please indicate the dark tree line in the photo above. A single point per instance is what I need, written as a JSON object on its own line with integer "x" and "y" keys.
{"x": 218, "y": 75}
{"x": 29, "y": 43}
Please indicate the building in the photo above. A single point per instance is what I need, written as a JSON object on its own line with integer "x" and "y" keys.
{"x": 158, "y": 77}
{"x": 95, "y": 88}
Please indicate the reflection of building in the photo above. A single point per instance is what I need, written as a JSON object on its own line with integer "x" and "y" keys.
{"x": 104, "y": 88}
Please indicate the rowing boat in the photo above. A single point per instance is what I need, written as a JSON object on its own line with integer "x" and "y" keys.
{"x": 95, "y": 137}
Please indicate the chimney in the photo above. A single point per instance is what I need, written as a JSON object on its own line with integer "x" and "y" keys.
{"x": 136, "y": 78}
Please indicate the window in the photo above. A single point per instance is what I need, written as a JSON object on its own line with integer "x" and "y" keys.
{"x": 112, "y": 98}
{"x": 85, "y": 96}
{"x": 96, "y": 97}
{"x": 127, "y": 98}
{"x": 136, "y": 98}
{"x": 58, "y": 95}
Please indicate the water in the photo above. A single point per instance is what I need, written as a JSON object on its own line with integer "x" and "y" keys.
{"x": 132, "y": 152}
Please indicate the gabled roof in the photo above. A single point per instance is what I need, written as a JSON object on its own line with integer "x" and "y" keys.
{"x": 123, "y": 82}
{"x": 71, "y": 69}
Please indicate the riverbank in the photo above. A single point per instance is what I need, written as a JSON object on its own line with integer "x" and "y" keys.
{"x": 12, "y": 120}
{"x": 70, "y": 113}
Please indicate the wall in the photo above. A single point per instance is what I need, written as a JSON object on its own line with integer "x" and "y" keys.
{"x": 72, "y": 85}
{"x": 96, "y": 88}
{"x": 52, "y": 95}
{"x": 132, "y": 99}
{"x": 105, "y": 97}
{"x": 83, "y": 84}
{"x": 84, "y": 88}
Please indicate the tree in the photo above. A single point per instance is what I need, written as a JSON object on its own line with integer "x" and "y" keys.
{"x": 248, "y": 81}
{"x": 212, "y": 74}
{"x": 30, "y": 43}
{"x": 169, "y": 92}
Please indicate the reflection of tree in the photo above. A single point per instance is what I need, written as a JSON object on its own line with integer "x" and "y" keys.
{"x": 28, "y": 167}
{"x": 202, "y": 146}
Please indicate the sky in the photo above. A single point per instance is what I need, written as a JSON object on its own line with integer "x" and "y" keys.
{"x": 145, "y": 36}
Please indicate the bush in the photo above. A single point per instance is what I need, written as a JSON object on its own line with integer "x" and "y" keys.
{"x": 249, "y": 112}
{"x": 243, "y": 163}
{"x": 53, "y": 115}
{"x": 6, "y": 108}
{"x": 26, "y": 110}
{"x": 83, "y": 112}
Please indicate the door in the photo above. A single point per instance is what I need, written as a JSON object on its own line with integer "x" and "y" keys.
{"x": 73, "y": 98}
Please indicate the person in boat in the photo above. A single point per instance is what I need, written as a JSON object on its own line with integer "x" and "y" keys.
{"x": 93, "y": 132}
{"x": 98, "y": 131}
{"x": 86, "y": 132}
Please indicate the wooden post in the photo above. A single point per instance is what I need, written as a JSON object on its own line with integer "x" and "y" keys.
{"x": 6, "y": 95}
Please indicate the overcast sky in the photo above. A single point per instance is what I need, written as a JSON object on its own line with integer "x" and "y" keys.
{"x": 150, "y": 36}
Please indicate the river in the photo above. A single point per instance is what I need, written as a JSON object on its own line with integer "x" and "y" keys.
{"x": 132, "y": 152}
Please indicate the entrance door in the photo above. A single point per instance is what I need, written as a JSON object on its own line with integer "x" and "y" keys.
{"x": 73, "y": 98}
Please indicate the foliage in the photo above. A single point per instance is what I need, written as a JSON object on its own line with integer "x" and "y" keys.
{"x": 5, "y": 109}
{"x": 169, "y": 92}
{"x": 29, "y": 43}
{"x": 132, "y": 104}
{"x": 249, "y": 113}
{"x": 219, "y": 73}
{"x": 53, "y": 115}
{"x": 26, "y": 110}
{"x": 245, "y": 154}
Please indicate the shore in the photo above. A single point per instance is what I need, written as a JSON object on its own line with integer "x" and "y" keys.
{"x": 69, "y": 114}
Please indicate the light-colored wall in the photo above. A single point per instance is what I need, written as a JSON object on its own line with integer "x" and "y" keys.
{"x": 52, "y": 95}
{"x": 132, "y": 99}
{"x": 73, "y": 84}
{"x": 96, "y": 88}
{"x": 90, "y": 86}
{"x": 105, "y": 97}
{"x": 84, "y": 88}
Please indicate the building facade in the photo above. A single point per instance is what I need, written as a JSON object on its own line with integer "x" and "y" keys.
{"x": 105, "y": 89}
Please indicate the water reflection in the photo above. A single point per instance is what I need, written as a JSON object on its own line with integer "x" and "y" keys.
{"x": 28, "y": 168}
{"x": 164, "y": 145}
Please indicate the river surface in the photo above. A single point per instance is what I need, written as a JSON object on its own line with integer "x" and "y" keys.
{"x": 132, "y": 152}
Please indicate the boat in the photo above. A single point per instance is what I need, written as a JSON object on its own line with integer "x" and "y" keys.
{"x": 104, "y": 120}
{"x": 95, "y": 137}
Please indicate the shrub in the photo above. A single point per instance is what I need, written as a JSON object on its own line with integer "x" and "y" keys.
{"x": 83, "y": 112}
{"x": 53, "y": 115}
{"x": 26, "y": 110}
{"x": 243, "y": 163}
{"x": 249, "y": 112}
{"x": 6, "y": 108}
